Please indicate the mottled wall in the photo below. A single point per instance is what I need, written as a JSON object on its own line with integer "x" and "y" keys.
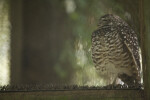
{"x": 16, "y": 41}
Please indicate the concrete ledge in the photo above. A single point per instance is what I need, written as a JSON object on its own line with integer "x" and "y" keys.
{"x": 74, "y": 95}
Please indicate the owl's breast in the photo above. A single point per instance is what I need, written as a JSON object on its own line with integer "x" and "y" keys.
{"x": 109, "y": 54}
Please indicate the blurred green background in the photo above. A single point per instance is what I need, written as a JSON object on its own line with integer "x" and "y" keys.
{"x": 51, "y": 39}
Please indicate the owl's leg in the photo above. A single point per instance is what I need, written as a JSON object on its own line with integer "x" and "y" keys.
{"x": 113, "y": 79}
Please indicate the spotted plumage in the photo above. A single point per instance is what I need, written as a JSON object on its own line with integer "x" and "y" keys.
{"x": 115, "y": 50}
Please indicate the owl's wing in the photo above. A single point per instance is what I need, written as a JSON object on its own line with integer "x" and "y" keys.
{"x": 131, "y": 41}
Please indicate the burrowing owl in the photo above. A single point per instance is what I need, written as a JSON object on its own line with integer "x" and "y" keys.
{"x": 115, "y": 50}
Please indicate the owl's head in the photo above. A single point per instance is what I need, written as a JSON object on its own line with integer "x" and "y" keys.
{"x": 109, "y": 20}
